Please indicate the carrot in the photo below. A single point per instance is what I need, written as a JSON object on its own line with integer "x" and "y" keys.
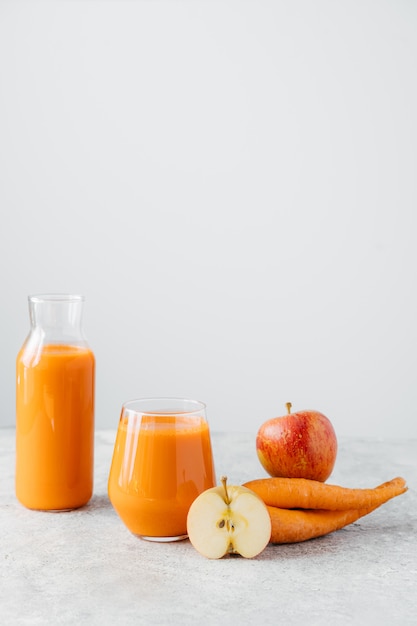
{"x": 302, "y": 493}
{"x": 294, "y": 525}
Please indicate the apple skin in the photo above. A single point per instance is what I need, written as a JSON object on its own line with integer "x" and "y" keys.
{"x": 298, "y": 445}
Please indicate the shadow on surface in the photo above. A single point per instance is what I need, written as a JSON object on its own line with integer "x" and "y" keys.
{"x": 97, "y": 503}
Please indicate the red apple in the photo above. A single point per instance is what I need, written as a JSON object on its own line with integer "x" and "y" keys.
{"x": 298, "y": 445}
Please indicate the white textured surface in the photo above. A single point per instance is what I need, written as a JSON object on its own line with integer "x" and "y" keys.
{"x": 84, "y": 567}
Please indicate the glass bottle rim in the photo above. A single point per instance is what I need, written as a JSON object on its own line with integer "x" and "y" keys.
{"x": 55, "y": 297}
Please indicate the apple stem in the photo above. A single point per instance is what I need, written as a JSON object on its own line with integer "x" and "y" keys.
{"x": 288, "y": 405}
{"x": 224, "y": 481}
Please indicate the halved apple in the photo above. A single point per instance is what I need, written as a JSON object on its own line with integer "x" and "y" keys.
{"x": 228, "y": 520}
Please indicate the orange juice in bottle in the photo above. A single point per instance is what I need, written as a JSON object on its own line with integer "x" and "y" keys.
{"x": 55, "y": 379}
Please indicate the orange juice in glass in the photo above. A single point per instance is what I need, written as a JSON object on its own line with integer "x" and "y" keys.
{"x": 162, "y": 461}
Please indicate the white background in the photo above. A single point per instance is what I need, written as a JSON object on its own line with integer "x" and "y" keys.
{"x": 233, "y": 187}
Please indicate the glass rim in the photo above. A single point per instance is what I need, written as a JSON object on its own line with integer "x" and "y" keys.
{"x": 55, "y": 297}
{"x": 143, "y": 406}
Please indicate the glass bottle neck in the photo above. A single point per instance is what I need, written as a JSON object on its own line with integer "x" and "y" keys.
{"x": 57, "y": 317}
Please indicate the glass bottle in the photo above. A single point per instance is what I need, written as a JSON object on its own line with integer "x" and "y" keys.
{"x": 55, "y": 386}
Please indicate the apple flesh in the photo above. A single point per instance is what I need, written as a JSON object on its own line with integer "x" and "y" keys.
{"x": 298, "y": 445}
{"x": 228, "y": 520}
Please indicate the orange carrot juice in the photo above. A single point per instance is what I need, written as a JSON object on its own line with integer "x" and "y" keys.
{"x": 54, "y": 427}
{"x": 161, "y": 463}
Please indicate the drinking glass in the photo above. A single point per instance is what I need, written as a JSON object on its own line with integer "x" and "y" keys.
{"x": 162, "y": 461}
